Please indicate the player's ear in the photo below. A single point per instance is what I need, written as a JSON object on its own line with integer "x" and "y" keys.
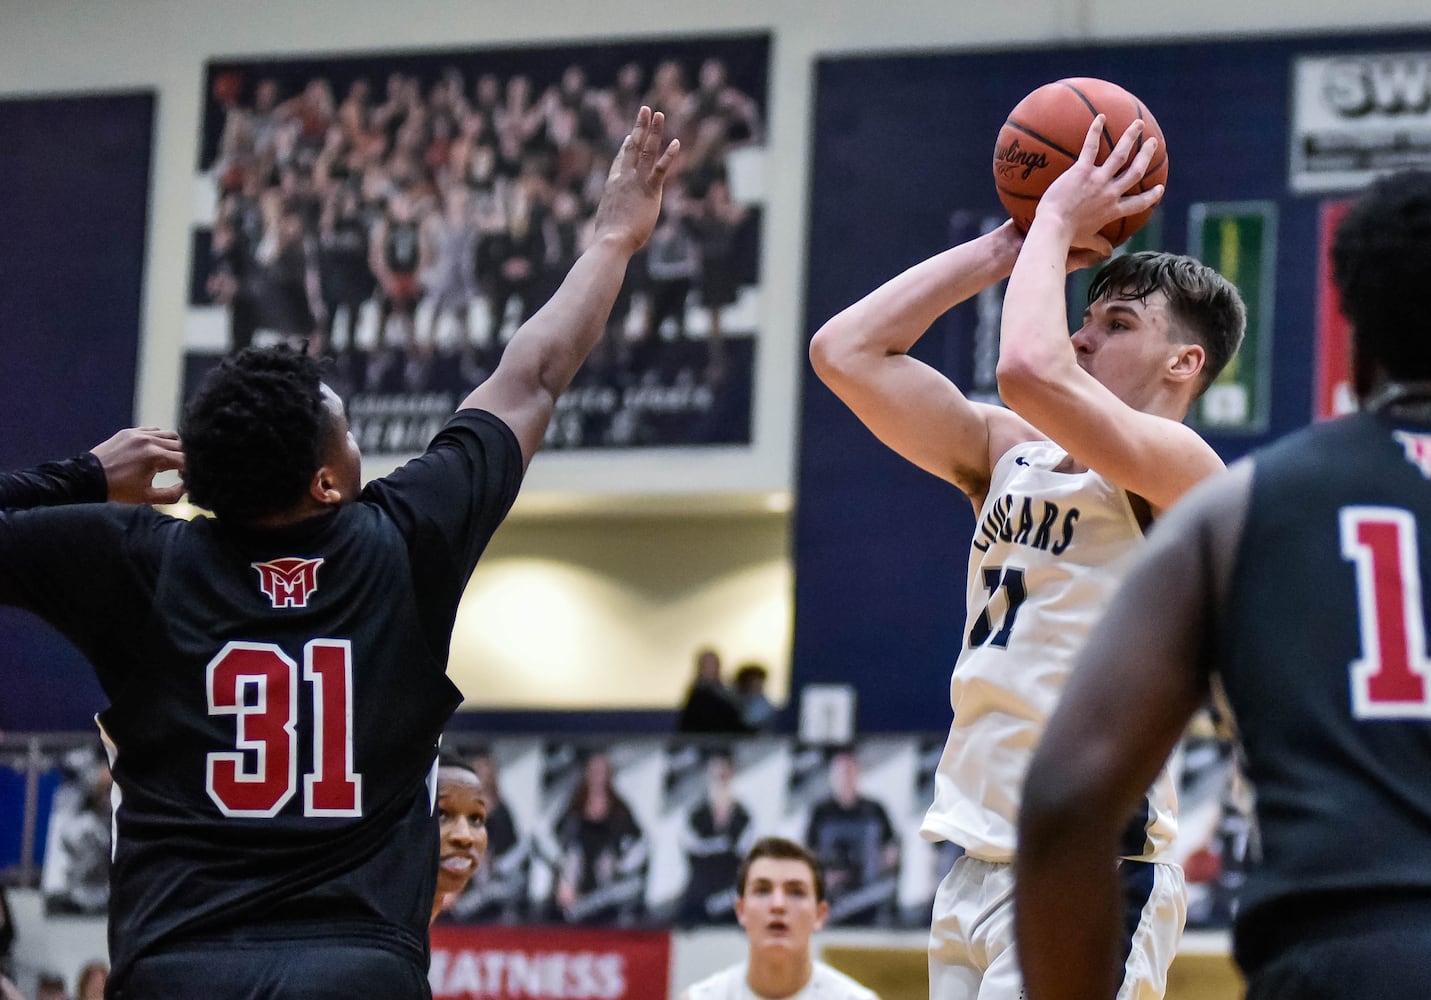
{"x": 740, "y": 910}
{"x": 822, "y": 913}
{"x": 1189, "y": 362}
{"x": 324, "y": 486}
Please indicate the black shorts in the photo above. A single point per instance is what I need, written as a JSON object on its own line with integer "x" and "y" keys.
{"x": 1359, "y": 947}
{"x": 304, "y": 969}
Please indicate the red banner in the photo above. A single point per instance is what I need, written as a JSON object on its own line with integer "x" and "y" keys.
{"x": 1334, "y": 385}
{"x": 548, "y": 963}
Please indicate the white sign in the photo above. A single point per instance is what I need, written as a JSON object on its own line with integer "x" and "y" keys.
{"x": 827, "y": 714}
{"x": 1356, "y": 116}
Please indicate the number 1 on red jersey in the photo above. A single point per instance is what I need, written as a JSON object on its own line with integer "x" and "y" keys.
{"x": 1390, "y": 678}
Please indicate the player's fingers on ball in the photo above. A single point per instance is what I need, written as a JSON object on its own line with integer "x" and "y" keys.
{"x": 1093, "y": 139}
{"x": 1123, "y": 149}
{"x": 1145, "y": 155}
{"x": 1144, "y": 200}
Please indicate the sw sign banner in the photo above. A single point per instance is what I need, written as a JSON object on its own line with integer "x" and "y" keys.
{"x": 1356, "y": 116}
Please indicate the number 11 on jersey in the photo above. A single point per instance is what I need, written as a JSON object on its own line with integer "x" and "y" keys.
{"x": 1390, "y": 678}
{"x": 257, "y": 683}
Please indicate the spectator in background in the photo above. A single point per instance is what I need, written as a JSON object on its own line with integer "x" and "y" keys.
{"x": 344, "y": 277}
{"x": 601, "y": 868}
{"x": 394, "y": 255}
{"x": 756, "y": 711}
{"x": 673, "y": 263}
{"x": 716, "y": 99}
{"x": 91, "y": 982}
{"x": 75, "y": 874}
{"x": 716, "y": 836}
{"x": 290, "y": 300}
{"x": 448, "y": 253}
{"x": 716, "y": 220}
{"x": 781, "y": 904}
{"x": 462, "y": 829}
{"x": 498, "y": 892}
{"x": 709, "y": 707}
{"x": 854, "y": 839}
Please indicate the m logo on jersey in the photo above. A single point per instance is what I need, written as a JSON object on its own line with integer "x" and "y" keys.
{"x": 1417, "y": 448}
{"x": 289, "y": 582}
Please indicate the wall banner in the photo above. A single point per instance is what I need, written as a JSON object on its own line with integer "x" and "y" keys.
{"x": 548, "y": 963}
{"x": 1239, "y": 240}
{"x": 1358, "y": 115}
{"x": 1333, "y": 387}
{"x": 400, "y": 215}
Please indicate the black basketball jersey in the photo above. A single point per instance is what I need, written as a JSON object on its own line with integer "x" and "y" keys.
{"x": 1322, "y": 650}
{"x": 74, "y": 480}
{"x": 275, "y": 697}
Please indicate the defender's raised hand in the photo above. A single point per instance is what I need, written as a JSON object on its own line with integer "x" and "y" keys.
{"x": 133, "y": 457}
{"x": 631, "y": 203}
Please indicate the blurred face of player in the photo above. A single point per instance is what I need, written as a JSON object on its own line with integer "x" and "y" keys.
{"x": 778, "y": 908}
{"x": 343, "y": 461}
{"x": 462, "y": 826}
{"x": 1127, "y": 345}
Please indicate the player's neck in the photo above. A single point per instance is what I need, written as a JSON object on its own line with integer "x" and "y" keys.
{"x": 779, "y": 973}
{"x": 1169, "y": 402}
{"x": 1401, "y": 399}
{"x": 305, "y": 510}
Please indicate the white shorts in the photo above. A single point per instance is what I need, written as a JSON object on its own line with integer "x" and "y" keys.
{"x": 971, "y": 942}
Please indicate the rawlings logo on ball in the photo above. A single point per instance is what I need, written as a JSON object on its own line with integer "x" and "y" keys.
{"x": 1042, "y": 135}
{"x": 1009, "y": 159}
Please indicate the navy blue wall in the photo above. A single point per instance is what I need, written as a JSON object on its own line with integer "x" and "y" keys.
{"x": 74, "y": 197}
{"x": 902, "y": 144}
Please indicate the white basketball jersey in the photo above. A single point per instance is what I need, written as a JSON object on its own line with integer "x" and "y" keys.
{"x": 1049, "y": 550}
{"x": 825, "y": 984}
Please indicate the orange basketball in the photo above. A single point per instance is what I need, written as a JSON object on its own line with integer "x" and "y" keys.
{"x": 1044, "y": 133}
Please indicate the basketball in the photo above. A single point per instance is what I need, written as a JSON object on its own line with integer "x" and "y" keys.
{"x": 1044, "y": 134}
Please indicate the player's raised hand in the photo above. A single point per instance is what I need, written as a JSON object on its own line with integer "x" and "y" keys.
{"x": 1089, "y": 195}
{"x": 133, "y": 457}
{"x": 631, "y": 203}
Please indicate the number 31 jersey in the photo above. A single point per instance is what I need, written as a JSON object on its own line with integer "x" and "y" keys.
{"x": 1049, "y": 550}
{"x": 275, "y": 697}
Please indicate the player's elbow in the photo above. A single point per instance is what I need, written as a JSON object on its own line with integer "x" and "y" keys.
{"x": 829, "y": 354}
{"x": 1025, "y": 377}
{"x": 840, "y": 353}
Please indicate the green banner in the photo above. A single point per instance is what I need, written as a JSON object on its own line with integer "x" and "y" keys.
{"x": 1239, "y": 240}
